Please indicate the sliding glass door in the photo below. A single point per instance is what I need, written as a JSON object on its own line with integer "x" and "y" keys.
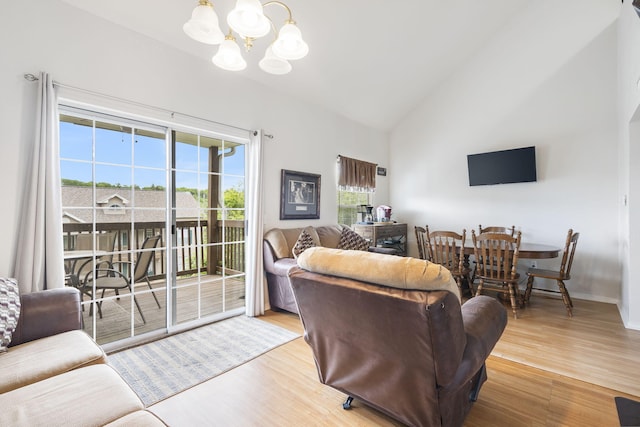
{"x": 153, "y": 222}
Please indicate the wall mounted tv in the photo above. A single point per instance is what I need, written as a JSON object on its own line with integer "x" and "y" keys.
{"x": 502, "y": 167}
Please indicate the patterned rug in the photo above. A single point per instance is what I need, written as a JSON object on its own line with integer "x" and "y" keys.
{"x": 162, "y": 368}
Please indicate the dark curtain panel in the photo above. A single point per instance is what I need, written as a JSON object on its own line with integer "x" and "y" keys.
{"x": 356, "y": 175}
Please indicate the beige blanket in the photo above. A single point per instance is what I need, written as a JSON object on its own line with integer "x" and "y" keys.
{"x": 387, "y": 270}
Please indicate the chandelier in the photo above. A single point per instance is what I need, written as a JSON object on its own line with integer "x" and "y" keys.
{"x": 248, "y": 20}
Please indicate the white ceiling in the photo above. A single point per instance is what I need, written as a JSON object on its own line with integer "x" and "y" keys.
{"x": 369, "y": 60}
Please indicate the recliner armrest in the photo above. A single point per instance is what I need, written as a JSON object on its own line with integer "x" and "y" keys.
{"x": 484, "y": 321}
{"x": 47, "y": 313}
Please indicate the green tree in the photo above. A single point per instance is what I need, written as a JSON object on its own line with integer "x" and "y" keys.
{"x": 234, "y": 199}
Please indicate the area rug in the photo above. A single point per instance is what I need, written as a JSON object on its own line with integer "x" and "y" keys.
{"x": 162, "y": 368}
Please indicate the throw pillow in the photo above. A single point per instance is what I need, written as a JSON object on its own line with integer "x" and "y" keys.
{"x": 304, "y": 242}
{"x": 9, "y": 311}
{"x": 351, "y": 240}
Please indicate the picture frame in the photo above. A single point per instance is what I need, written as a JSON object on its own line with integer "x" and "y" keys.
{"x": 299, "y": 195}
{"x": 381, "y": 171}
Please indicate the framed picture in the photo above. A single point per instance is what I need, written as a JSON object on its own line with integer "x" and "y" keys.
{"x": 299, "y": 195}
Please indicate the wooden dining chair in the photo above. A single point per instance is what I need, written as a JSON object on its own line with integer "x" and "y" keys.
{"x": 496, "y": 265}
{"x": 447, "y": 249}
{"x": 558, "y": 275}
{"x": 497, "y": 229}
{"x": 423, "y": 250}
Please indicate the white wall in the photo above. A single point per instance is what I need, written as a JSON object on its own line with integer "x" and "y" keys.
{"x": 547, "y": 79}
{"x": 629, "y": 143}
{"x": 80, "y": 50}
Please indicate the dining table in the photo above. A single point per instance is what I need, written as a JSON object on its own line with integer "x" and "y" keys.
{"x": 528, "y": 250}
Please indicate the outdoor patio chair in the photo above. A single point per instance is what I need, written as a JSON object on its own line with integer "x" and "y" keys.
{"x": 78, "y": 267}
{"x": 116, "y": 280}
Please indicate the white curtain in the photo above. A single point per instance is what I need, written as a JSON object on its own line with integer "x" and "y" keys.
{"x": 39, "y": 254}
{"x": 254, "y": 202}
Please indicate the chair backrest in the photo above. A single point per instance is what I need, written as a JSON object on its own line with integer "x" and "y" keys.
{"x": 446, "y": 248}
{"x": 569, "y": 251}
{"x": 421, "y": 239}
{"x": 145, "y": 257}
{"x": 496, "y": 255}
{"x": 104, "y": 242}
{"x": 352, "y": 343}
{"x": 497, "y": 229}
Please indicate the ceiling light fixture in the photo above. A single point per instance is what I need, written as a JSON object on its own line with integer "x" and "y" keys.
{"x": 248, "y": 20}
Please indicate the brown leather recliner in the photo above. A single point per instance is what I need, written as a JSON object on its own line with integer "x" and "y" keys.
{"x": 414, "y": 354}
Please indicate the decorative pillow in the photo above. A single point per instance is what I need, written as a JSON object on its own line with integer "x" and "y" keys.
{"x": 351, "y": 240}
{"x": 304, "y": 242}
{"x": 9, "y": 311}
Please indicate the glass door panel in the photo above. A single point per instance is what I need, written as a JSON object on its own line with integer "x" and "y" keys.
{"x": 202, "y": 238}
{"x": 114, "y": 197}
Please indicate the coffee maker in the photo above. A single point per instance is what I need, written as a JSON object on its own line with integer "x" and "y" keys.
{"x": 366, "y": 214}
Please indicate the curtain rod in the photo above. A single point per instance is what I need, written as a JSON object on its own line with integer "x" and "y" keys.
{"x": 32, "y": 78}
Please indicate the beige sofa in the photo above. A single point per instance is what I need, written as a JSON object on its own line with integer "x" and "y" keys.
{"x": 278, "y": 259}
{"x": 54, "y": 374}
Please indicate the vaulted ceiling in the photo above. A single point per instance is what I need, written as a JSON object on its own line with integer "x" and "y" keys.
{"x": 370, "y": 60}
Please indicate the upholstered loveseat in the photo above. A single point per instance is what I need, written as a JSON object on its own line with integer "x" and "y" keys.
{"x": 391, "y": 332}
{"x": 53, "y": 373}
{"x": 279, "y": 258}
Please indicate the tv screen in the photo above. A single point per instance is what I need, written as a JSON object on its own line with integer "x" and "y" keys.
{"x": 502, "y": 167}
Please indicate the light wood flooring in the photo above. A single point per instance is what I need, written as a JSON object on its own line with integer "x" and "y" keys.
{"x": 547, "y": 370}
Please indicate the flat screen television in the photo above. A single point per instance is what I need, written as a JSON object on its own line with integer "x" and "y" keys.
{"x": 502, "y": 167}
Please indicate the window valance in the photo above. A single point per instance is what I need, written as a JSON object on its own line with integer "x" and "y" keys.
{"x": 356, "y": 175}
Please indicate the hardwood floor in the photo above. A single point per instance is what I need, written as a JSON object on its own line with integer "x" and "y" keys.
{"x": 547, "y": 370}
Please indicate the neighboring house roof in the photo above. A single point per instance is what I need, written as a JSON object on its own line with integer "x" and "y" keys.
{"x": 111, "y": 197}
{"x": 114, "y": 205}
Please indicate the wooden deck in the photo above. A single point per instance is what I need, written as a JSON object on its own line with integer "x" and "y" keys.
{"x": 216, "y": 296}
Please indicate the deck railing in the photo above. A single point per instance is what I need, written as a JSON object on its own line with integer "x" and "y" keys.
{"x": 193, "y": 253}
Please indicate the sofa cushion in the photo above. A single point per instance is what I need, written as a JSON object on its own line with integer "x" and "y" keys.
{"x": 137, "y": 419}
{"x": 350, "y": 240}
{"x": 282, "y": 240}
{"x": 9, "y": 311}
{"x": 328, "y": 235}
{"x": 90, "y": 396}
{"x": 46, "y": 357}
{"x": 304, "y": 242}
{"x": 381, "y": 269}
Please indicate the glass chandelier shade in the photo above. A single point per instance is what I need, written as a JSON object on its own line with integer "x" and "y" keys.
{"x": 203, "y": 25}
{"x": 249, "y": 21}
{"x": 228, "y": 56}
{"x": 273, "y": 64}
{"x": 289, "y": 44}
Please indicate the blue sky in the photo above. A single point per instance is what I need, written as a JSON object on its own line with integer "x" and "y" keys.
{"x": 119, "y": 160}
